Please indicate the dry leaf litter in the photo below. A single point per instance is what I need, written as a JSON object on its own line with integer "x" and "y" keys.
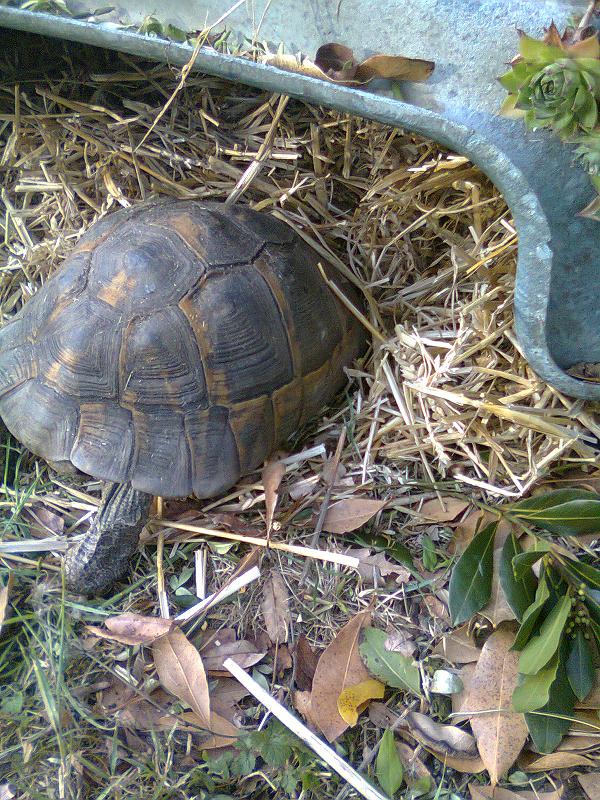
{"x": 444, "y": 403}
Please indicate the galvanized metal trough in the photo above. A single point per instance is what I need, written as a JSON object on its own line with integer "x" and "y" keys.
{"x": 557, "y": 302}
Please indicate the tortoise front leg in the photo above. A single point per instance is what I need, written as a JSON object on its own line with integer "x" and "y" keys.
{"x": 103, "y": 555}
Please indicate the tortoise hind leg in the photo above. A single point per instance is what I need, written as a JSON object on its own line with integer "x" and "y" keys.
{"x": 103, "y": 555}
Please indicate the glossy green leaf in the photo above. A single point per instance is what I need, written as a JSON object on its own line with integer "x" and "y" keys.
{"x": 566, "y": 512}
{"x": 583, "y": 573}
{"x": 550, "y": 500}
{"x": 592, "y": 603}
{"x": 533, "y": 691}
{"x": 523, "y": 562}
{"x": 391, "y": 668}
{"x": 471, "y": 581}
{"x": 388, "y": 766}
{"x": 428, "y": 556}
{"x": 548, "y": 725}
{"x": 519, "y": 590}
{"x": 580, "y": 665}
{"x": 531, "y": 615}
{"x": 539, "y": 650}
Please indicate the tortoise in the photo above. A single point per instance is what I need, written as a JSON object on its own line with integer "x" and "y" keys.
{"x": 180, "y": 343}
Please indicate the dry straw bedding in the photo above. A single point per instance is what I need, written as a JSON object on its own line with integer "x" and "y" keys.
{"x": 445, "y": 393}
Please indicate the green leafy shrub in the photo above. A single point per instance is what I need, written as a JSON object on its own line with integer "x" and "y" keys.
{"x": 555, "y": 83}
{"x": 558, "y": 609}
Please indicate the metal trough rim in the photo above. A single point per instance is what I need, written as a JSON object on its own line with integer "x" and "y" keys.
{"x": 535, "y": 253}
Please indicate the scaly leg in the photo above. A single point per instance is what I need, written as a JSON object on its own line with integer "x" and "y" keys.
{"x": 103, "y": 555}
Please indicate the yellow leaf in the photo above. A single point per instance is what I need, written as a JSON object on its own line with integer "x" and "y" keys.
{"x": 353, "y": 699}
{"x": 339, "y": 666}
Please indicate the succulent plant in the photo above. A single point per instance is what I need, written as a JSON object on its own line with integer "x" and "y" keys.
{"x": 555, "y": 86}
{"x": 589, "y": 153}
{"x": 563, "y": 96}
{"x": 555, "y": 83}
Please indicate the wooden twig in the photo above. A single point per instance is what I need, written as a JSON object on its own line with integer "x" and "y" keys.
{"x": 318, "y": 746}
{"x": 230, "y": 588}
{"x": 325, "y": 504}
{"x": 306, "y": 552}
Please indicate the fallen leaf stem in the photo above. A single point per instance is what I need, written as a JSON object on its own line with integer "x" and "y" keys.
{"x": 325, "y": 504}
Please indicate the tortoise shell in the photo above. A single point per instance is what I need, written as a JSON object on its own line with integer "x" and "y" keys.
{"x": 179, "y": 344}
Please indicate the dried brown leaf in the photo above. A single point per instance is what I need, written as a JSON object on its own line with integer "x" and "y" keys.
{"x": 500, "y": 793}
{"x": 224, "y": 732}
{"x": 445, "y": 510}
{"x": 133, "y": 628}
{"x": 381, "y": 716}
{"x": 479, "y": 792}
{"x": 282, "y": 658}
{"x": 335, "y": 63}
{"x": 500, "y": 733}
{"x": 372, "y": 568}
{"x": 306, "y": 660}
{"x": 141, "y": 715}
{"x": 450, "y": 744}
{"x": 590, "y": 784}
{"x": 4, "y": 596}
{"x": 395, "y": 68}
{"x": 458, "y": 647}
{"x": 458, "y": 700}
{"x": 250, "y": 560}
{"x": 225, "y": 695}
{"x": 414, "y": 768}
{"x": 436, "y": 608}
{"x": 275, "y": 607}
{"x": 586, "y": 721}
{"x": 44, "y": 521}
{"x": 181, "y": 671}
{"x": 591, "y": 211}
{"x": 302, "y": 703}
{"x": 340, "y": 665}
{"x": 333, "y": 472}
{"x": 136, "y": 712}
{"x": 475, "y": 522}
{"x": 243, "y": 652}
{"x": 400, "y": 641}
{"x": 351, "y": 513}
{"x": 272, "y": 475}
{"x": 579, "y": 742}
{"x": 561, "y": 759}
